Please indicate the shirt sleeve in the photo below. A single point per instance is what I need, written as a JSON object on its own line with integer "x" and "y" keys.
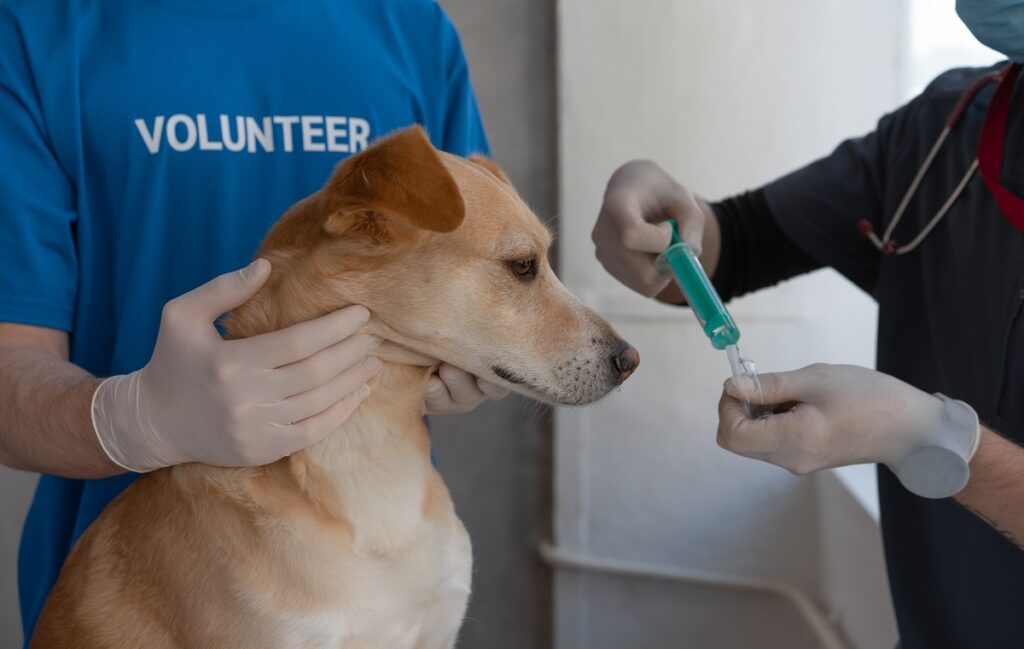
{"x": 755, "y": 253}
{"x": 38, "y": 262}
{"x": 463, "y": 129}
{"x": 819, "y": 206}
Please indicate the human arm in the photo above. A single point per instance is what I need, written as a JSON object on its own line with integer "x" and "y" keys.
{"x": 995, "y": 492}
{"x": 835, "y": 415}
{"x": 45, "y": 400}
{"x": 199, "y": 398}
{"x": 742, "y": 247}
{"x": 804, "y": 220}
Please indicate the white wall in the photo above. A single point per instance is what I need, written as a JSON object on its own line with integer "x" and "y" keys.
{"x": 726, "y": 95}
{"x": 939, "y": 40}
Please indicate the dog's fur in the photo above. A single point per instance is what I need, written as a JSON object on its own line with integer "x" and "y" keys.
{"x": 353, "y": 542}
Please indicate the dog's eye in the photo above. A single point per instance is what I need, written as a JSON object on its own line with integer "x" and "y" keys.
{"x": 525, "y": 269}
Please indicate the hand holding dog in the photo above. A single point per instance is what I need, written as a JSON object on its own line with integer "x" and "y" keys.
{"x": 830, "y": 415}
{"x": 241, "y": 402}
{"x": 453, "y": 391}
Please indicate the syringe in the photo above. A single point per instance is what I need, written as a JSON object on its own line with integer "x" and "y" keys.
{"x": 714, "y": 318}
{"x": 745, "y": 367}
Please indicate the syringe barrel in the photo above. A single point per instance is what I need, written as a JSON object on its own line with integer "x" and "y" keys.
{"x": 701, "y": 295}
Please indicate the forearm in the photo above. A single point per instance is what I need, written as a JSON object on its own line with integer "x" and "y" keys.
{"x": 45, "y": 421}
{"x": 995, "y": 492}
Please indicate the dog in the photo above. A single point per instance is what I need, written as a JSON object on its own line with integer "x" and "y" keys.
{"x": 353, "y": 542}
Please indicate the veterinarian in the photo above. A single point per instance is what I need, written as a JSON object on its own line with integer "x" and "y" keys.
{"x": 951, "y": 321}
{"x": 147, "y": 147}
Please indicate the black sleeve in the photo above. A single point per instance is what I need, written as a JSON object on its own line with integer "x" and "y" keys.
{"x": 809, "y": 218}
{"x": 755, "y": 252}
{"x": 819, "y": 207}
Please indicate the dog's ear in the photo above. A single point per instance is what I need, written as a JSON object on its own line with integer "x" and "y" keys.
{"x": 398, "y": 182}
{"x": 491, "y": 166}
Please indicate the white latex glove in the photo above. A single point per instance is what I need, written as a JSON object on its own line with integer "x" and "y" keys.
{"x": 629, "y": 234}
{"x": 835, "y": 415}
{"x": 453, "y": 391}
{"x": 234, "y": 402}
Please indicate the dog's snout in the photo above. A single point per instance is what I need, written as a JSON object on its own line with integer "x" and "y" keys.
{"x": 625, "y": 360}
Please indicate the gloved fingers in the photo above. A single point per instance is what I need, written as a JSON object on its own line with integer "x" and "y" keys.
{"x": 626, "y": 214}
{"x": 438, "y": 400}
{"x": 320, "y": 368}
{"x": 311, "y": 430}
{"x": 492, "y": 390}
{"x": 676, "y": 203}
{"x": 221, "y": 294}
{"x": 302, "y": 340}
{"x": 794, "y": 439}
{"x": 798, "y": 386}
{"x": 738, "y": 434}
{"x": 452, "y": 390}
{"x": 461, "y": 385}
{"x": 636, "y": 270}
{"x": 314, "y": 401}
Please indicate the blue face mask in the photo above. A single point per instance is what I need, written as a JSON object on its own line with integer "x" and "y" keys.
{"x": 996, "y": 23}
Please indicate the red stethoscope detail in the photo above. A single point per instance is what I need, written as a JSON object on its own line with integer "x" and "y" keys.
{"x": 988, "y": 162}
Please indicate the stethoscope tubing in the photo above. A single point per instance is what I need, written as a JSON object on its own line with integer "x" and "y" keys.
{"x": 885, "y": 243}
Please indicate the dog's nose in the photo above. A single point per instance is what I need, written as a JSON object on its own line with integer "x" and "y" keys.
{"x": 626, "y": 361}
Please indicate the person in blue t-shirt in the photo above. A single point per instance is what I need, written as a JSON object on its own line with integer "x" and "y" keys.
{"x": 147, "y": 147}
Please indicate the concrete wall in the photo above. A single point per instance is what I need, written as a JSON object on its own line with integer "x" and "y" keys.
{"x": 497, "y": 461}
{"x": 17, "y": 489}
{"x": 726, "y": 96}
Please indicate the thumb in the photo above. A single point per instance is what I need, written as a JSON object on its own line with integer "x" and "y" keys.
{"x": 227, "y": 291}
{"x": 652, "y": 238}
{"x": 773, "y": 388}
{"x": 687, "y": 212}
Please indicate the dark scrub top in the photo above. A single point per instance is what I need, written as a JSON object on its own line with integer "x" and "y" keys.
{"x": 950, "y": 321}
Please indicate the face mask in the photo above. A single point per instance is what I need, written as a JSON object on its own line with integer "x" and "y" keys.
{"x": 996, "y": 23}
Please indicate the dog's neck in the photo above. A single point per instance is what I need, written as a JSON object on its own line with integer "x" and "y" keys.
{"x": 391, "y": 415}
{"x": 376, "y": 467}
{"x": 374, "y": 472}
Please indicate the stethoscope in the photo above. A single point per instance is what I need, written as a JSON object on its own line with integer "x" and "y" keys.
{"x": 988, "y": 161}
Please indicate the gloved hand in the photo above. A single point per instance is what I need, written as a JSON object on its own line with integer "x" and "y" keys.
{"x": 835, "y": 415}
{"x": 453, "y": 391}
{"x": 629, "y": 233}
{"x": 234, "y": 402}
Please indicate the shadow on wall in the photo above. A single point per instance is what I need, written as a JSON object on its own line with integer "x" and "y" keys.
{"x": 17, "y": 488}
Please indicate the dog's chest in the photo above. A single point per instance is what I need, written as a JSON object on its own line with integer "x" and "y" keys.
{"x": 412, "y": 599}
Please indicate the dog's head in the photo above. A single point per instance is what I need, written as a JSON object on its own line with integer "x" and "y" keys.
{"x": 451, "y": 263}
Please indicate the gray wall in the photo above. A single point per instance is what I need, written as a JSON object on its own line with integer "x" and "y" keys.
{"x": 16, "y": 489}
{"x": 497, "y": 460}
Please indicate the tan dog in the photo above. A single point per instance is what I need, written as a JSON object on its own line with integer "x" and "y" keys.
{"x": 353, "y": 542}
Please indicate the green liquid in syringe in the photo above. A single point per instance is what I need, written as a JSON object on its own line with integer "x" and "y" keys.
{"x": 701, "y": 295}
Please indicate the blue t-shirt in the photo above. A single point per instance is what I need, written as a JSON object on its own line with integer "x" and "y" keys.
{"x": 146, "y": 146}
